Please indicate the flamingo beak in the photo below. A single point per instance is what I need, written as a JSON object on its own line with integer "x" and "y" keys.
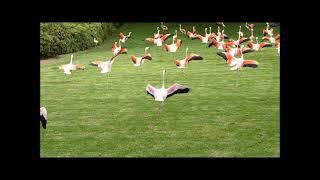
{"x": 177, "y": 63}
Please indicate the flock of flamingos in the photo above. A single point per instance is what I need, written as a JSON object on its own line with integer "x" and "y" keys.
{"x": 231, "y": 51}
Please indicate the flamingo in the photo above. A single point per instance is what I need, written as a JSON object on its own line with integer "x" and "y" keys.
{"x": 267, "y": 31}
{"x": 219, "y": 44}
{"x": 204, "y": 39}
{"x": 238, "y": 63}
{"x": 68, "y": 67}
{"x": 234, "y": 51}
{"x": 220, "y": 34}
{"x": 183, "y": 31}
{"x": 193, "y": 33}
{"x": 257, "y": 46}
{"x": 240, "y": 39}
{"x": 43, "y": 117}
{"x": 158, "y": 35}
{"x": 158, "y": 41}
{"x": 174, "y": 46}
{"x": 182, "y": 63}
{"x": 271, "y": 38}
{"x": 138, "y": 61}
{"x": 164, "y": 28}
{"x": 95, "y": 41}
{"x": 107, "y": 65}
{"x": 250, "y": 26}
{"x": 124, "y": 38}
{"x": 160, "y": 94}
{"x": 116, "y": 49}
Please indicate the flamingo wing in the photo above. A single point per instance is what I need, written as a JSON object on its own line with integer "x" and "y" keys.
{"x": 250, "y": 63}
{"x": 177, "y": 88}
{"x": 96, "y": 63}
{"x": 250, "y": 44}
{"x": 123, "y": 51}
{"x": 247, "y": 50}
{"x": 151, "y": 90}
{"x": 264, "y": 44}
{"x": 114, "y": 46}
{"x": 242, "y": 40}
{"x": 213, "y": 42}
{"x": 223, "y": 55}
{"x": 163, "y": 38}
{"x": 133, "y": 59}
{"x": 265, "y": 38}
{"x": 147, "y": 57}
{"x": 193, "y": 56}
{"x": 150, "y": 39}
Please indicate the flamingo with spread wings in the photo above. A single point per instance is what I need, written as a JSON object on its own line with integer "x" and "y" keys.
{"x": 107, "y": 65}
{"x": 192, "y": 34}
{"x": 160, "y": 94}
{"x": 183, "y": 62}
{"x": 138, "y": 61}
{"x": 237, "y": 63}
{"x": 256, "y": 46}
{"x": 124, "y": 38}
{"x": 158, "y": 41}
{"x": 118, "y": 49}
{"x": 174, "y": 46}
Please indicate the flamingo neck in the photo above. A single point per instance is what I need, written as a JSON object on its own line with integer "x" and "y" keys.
{"x": 186, "y": 52}
{"x": 71, "y": 58}
{"x": 163, "y": 73}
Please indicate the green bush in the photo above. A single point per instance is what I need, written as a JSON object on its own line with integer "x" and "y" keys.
{"x": 62, "y": 38}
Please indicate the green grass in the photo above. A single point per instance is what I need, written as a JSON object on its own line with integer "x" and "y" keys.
{"x": 226, "y": 113}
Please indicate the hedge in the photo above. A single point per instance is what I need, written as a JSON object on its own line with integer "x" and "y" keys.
{"x": 62, "y": 38}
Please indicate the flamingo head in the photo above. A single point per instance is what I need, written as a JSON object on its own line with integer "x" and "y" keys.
{"x": 177, "y": 63}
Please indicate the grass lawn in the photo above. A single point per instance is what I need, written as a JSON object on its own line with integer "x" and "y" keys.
{"x": 225, "y": 114}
